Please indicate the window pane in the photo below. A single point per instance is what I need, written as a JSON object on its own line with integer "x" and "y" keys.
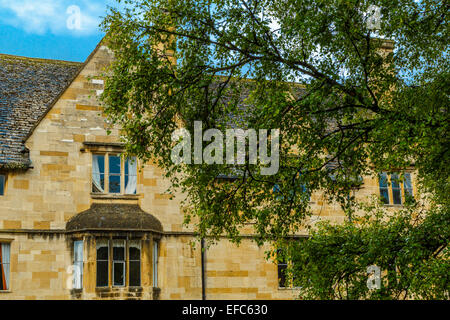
{"x": 130, "y": 175}
{"x": 78, "y": 264}
{"x": 102, "y": 263}
{"x": 78, "y": 251}
{"x": 155, "y": 264}
{"x": 396, "y": 191}
{"x": 2, "y": 185}
{"x": 384, "y": 188}
{"x": 119, "y": 250}
{"x": 407, "y": 185}
{"x": 114, "y": 165}
{"x": 4, "y": 265}
{"x": 114, "y": 184}
{"x": 102, "y": 253}
{"x": 98, "y": 173}
{"x": 383, "y": 180}
{"x": 282, "y": 266}
{"x": 102, "y": 273}
{"x": 135, "y": 251}
{"x": 135, "y": 273}
{"x": 384, "y": 195}
{"x": 119, "y": 272}
{"x": 282, "y": 275}
{"x": 118, "y": 262}
{"x": 134, "y": 255}
{"x": 396, "y": 194}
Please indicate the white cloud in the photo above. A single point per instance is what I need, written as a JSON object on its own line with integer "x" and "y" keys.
{"x": 43, "y": 16}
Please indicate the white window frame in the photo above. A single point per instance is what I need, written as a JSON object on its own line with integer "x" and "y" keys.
{"x": 107, "y": 174}
{"x": 121, "y": 262}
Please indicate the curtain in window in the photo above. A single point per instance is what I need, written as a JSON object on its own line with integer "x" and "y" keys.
{"x": 78, "y": 264}
{"x": 407, "y": 185}
{"x": 4, "y": 266}
{"x": 131, "y": 176}
{"x": 96, "y": 175}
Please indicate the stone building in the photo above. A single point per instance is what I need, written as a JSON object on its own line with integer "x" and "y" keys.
{"x": 78, "y": 221}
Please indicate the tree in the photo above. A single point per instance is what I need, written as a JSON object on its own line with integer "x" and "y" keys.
{"x": 409, "y": 248}
{"x": 348, "y": 104}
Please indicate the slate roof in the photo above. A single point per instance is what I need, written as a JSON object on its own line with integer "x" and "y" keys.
{"x": 28, "y": 87}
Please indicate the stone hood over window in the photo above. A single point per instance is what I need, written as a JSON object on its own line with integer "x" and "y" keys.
{"x": 114, "y": 217}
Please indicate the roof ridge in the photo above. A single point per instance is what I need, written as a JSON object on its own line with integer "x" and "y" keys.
{"x": 12, "y": 56}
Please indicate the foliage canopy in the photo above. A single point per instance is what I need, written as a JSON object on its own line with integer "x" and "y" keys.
{"x": 343, "y": 100}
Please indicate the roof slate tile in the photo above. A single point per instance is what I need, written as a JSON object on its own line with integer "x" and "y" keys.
{"x": 28, "y": 87}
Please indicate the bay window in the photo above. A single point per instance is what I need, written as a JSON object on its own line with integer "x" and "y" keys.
{"x": 121, "y": 257}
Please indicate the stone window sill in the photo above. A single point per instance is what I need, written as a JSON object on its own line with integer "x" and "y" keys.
{"x": 288, "y": 288}
{"x": 115, "y": 196}
{"x": 115, "y": 288}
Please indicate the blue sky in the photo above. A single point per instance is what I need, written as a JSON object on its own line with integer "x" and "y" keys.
{"x": 53, "y": 29}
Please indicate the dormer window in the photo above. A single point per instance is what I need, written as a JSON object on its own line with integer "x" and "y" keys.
{"x": 114, "y": 174}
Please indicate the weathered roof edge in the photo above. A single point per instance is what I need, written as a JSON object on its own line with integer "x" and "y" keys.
{"x": 24, "y": 58}
{"x": 52, "y": 104}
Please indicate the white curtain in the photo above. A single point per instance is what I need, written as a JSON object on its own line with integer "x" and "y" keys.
{"x": 78, "y": 264}
{"x": 96, "y": 173}
{"x": 130, "y": 188}
{"x": 5, "y": 262}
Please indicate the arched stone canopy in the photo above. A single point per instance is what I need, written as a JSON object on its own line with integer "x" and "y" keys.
{"x": 114, "y": 217}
